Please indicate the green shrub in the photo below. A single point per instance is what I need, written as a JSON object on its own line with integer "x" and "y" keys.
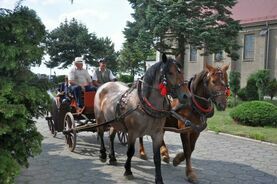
{"x": 251, "y": 89}
{"x": 126, "y": 78}
{"x": 242, "y": 94}
{"x": 231, "y": 102}
{"x": 271, "y": 89}
{"x": 255, "y": 113}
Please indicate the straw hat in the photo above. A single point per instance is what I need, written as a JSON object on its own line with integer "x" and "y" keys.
{"x": 79, "y": 60}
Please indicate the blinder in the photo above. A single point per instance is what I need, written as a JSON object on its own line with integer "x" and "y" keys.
{"x": 172, "y": 89}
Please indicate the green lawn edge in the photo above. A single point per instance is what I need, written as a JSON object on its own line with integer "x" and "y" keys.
{"x": 222, "y": 122}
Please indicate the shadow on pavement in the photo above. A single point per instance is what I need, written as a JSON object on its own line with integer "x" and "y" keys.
{"x": 58, "y": 165}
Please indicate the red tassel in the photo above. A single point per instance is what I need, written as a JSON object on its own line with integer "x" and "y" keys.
{"x": 163, "y": 89}
{"x": 228, "y": 92}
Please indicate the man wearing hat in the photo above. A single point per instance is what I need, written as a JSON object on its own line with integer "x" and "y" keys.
{"x": 102, "y": 75}
{"x": 79, "y": 80}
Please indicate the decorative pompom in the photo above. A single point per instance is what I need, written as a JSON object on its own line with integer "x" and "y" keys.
{"x": 163, "y": 89}
{"x": 228, "y": 92}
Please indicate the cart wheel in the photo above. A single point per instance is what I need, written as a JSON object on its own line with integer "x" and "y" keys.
{"x": 52, "y": 127}
{"x": 123, "y": 137}
{"x": 70, "y": 138}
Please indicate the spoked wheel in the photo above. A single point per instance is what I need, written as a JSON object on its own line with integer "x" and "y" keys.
{"x": 70, "y": 136}
{"x": 123, "y": 137}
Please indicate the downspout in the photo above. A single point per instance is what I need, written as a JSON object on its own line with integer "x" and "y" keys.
{"x": 267, "y": 46}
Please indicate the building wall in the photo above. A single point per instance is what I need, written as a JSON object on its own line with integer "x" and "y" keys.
{"x": 248, "y": 66}
{"x": 263, "y": 58}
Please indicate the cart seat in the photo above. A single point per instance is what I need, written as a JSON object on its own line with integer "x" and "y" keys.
{"x": 89, "y": 101}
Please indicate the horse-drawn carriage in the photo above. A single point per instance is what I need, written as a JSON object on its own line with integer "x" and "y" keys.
{"x": 145, "y": 109}
{"x": 65, "y": 117}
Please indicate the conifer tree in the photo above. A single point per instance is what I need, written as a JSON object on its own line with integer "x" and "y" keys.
{"x": 22, "y": 95}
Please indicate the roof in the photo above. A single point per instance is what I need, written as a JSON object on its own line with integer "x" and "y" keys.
{"x": 251, "y": 11}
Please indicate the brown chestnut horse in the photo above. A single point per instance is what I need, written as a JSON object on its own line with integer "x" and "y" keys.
{"x": 207, "y": 88}
{"x": 140, "y": 110}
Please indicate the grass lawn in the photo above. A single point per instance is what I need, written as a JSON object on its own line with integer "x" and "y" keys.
{"x": 222, "y": 122}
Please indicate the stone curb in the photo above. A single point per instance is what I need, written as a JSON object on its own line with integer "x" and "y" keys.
{"x": 244, "y": 138}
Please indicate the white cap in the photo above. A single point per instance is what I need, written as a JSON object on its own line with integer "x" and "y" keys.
{"x": 78, "y": 60}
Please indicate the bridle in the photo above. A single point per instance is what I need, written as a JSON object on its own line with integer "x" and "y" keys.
{"x": 173, "y": 88}
{"x": 163, "y": 87}
{"x": 224, "y": 92}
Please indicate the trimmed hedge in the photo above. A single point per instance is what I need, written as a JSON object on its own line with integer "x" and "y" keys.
{"x": 255, "y": 113}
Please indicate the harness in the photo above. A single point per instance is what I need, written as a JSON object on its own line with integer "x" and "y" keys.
{"x": 208, "y": 110}
{"x": 149, "y": 108}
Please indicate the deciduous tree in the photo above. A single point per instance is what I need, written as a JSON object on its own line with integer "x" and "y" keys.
{"x": 72, "y": 39}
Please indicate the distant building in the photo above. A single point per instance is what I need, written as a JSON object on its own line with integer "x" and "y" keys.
{"x": 258, "y": 41}
{"x": 258, "y": 38}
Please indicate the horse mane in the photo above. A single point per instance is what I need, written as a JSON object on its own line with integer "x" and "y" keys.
{"x": 199, "y": 78}
{"x": 151, "y": 73}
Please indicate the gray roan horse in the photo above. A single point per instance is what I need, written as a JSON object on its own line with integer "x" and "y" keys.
{"x": 139, "y": 110}
{"x": 207, "y": 87}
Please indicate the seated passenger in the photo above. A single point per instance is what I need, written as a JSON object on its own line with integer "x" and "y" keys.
{"x": 79, "y": 80}
{"x": 63, "y": 91}
{"x": 101, "y": 74}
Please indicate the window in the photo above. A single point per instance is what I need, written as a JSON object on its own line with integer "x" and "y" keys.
{"x": 218, "y": 56}
{"x": 193, "y": 54}
{"x": 249, "y": 41}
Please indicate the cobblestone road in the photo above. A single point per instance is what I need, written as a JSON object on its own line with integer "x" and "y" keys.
{"x": 217, "y": 159}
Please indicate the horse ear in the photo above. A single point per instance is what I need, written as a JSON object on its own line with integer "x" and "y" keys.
{"x": 164, "y": 58}
{"x": 225, "y": 67}
{"x": 178, "y": 58}
{"x": 208, "y": 67}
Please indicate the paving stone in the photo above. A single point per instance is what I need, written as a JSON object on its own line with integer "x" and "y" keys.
{"x": 217, "y": 159}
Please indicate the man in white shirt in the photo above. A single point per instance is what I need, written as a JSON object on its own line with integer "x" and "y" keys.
{"x": 102, "y": 75}
{"x": 79, "y": 80}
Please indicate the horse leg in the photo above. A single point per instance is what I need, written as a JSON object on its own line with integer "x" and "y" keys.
{"x": 142, "y": 153}
{"x": 188, "y": 141}
{"x": 112, "y": 155}
{"x": 100, "y": 130}
{"x": 157, "y": 142}
{"x": 180, "y": 157}
{"x": 164, "y": 153}
{"x": 130, "y": 153}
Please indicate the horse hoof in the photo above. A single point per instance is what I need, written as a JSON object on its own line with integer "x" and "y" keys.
{"x": 128, "y": 175}
{"x": 103, "y": 159}
{"x": 143, "y": 157}
{"x": 178, "y": 159}
{"x": 176, "y": 162}
{"x": 113, "y": 162}
{"x": 166, "y": 160}
{"x": 192, "y": 178}
{"x": 159, "y": 182}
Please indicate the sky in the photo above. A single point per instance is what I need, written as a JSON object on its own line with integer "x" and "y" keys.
{"x": 105, "y": 18}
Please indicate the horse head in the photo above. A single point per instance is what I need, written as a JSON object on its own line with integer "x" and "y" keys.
{"x": 172, "y": 77}
{"x": 216, "y": 84}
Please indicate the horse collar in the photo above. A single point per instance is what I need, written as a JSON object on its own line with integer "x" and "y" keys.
{"x": 197, "y": 105}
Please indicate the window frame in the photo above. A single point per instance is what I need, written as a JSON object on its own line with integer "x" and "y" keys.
{"x": 249, "y": 50}
{"x": 221, "y": 57}
{"x": 191, "y": 55}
